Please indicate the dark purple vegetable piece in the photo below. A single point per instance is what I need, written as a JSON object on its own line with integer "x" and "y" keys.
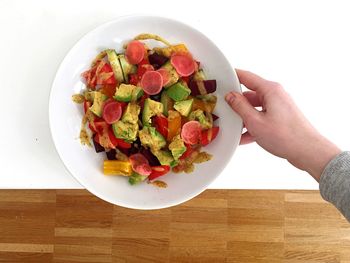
{"x": 209, "y": 86}
{"x": 156, "y": 97}
{"x": 153, "y": 161}
{"x": 135, "y": 147}
{"x": 123, "y": 150}
{"x": 215, "y": 117}
{"x": 98, "y": 147}
{"x": 111, "y": 154}
{"x": 157, "y": 60}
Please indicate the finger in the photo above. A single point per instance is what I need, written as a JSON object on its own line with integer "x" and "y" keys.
{"x": 246, "y": 138}
{"x": 253, "y": 98}
{"x": 241, "y": 105}
{"x": 250, "y": 80}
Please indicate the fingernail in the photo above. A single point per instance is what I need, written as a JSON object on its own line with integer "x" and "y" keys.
{"x": 230, "y": 97}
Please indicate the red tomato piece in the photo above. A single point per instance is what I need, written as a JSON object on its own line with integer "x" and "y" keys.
{"x": 144, "y": 61}
{"x": 109, "y": 90}
{"x": 123, "y": 144}
{"x": 165, "y": 75}
{"x": 105, "y": 75}
{"x": 186, "y": 79}
{"x": 86, "y": 105}
{"x": 133, "y": 79}
{"x": 140, "y": 164}
{"x": 161, "y": 124}
{"x": 105, "y": 135}
{"x": 135, "y": 52}
{"x": 152, "y": 82}
{"x": 93, "y": 130}
{"x": 158, "y": 171}
{"x": 209, "y": 135}
{"x": 191, "y": 132}
{"x": 123, "y": 105}
{"x": 100, "y": 126}
{"x": 189, "y": 151}
{"x": 112, "y": 111}
{"x": 183, "y": 63}
{"x": 112, "y": 138}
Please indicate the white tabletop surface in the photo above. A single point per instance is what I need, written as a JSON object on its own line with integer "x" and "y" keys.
{"x": 304, "y": 45}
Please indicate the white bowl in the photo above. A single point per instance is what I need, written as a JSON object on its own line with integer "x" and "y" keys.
{"x": 86, "y": 165}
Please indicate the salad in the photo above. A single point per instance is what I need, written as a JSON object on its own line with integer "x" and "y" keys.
{"x": 149, "y": 109}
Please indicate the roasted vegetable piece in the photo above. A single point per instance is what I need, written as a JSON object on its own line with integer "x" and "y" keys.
{"x": 203, "y": 105}
{"x": 168, "y": 51}
{"x": 157, "y": 60}
{"x": 174, "y": 124}
{"x": 97, "y": 146}
{"x": 202, "y": 87}
{"x": 117, "y": 168}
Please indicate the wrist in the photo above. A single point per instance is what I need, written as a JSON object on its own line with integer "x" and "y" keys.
{"x": 316, "y": 155}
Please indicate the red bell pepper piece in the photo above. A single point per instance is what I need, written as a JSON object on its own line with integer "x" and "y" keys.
{"x": 161, "y": 124}
{"x": 158, "y": 171}
{"x": 188, "y": 152}
{"x": 209, "y": 135}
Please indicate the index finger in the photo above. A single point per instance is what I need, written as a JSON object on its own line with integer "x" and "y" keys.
{"x": 250, "y": 80}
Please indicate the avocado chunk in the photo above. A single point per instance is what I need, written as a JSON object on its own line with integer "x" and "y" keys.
{"x": 131, "y": 114}
{"x": 177, "y": 147}
{"x": 174, "y": 77}
{"x": 165, "y": 157}
{"x": 184, "y": 107}
{"x": 136, "y": 178}
{"x": 127, "y": 68}
{"x": 179, "y": 91}
{"x": 203, "y": 120}
{"x": 98, "y": 99}
{"x": 150, "y": 109}
{"x": 126, "y": 93}
{"x": 167, "y": 102}
{"x": 115, "y": 64}
{"x": 151, "y": 138}
{"x": 125, "y": 130}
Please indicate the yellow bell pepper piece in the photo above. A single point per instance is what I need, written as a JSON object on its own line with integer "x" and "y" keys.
{"x": 116, "y": 167}
{"x": 168, "y": 51}
{"x": 203, "y": 105}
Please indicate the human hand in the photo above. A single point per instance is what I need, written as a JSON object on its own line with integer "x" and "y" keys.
{"x": 280, "y": 128}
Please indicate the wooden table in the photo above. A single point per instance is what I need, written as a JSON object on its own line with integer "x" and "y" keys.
{"x": 217, "y": 226}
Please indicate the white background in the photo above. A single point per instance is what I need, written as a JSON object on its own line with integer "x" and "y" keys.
{"x": 304, "y": 45}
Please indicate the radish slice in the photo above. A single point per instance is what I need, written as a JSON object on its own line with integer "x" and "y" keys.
{"x": 112, "y": 111}
{"x": 191, "y": 132}
{"x": 140, "y": 164}
{"x": 135, "y": 52}
{"x": 152, "y": 82}
{"x": 184, "y": 64}
{"x": 165, "y": 74}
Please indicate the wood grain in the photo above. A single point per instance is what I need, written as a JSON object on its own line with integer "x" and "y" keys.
{"x": 216, "y": 226}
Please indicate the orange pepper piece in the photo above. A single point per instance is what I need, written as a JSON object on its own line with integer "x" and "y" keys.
{"x": 174, "y": 124}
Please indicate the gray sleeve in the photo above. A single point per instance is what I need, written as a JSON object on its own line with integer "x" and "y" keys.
{"x": 335, "y": 183}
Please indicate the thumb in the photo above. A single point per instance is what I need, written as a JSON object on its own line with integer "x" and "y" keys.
{"x": 241, "y": 105}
